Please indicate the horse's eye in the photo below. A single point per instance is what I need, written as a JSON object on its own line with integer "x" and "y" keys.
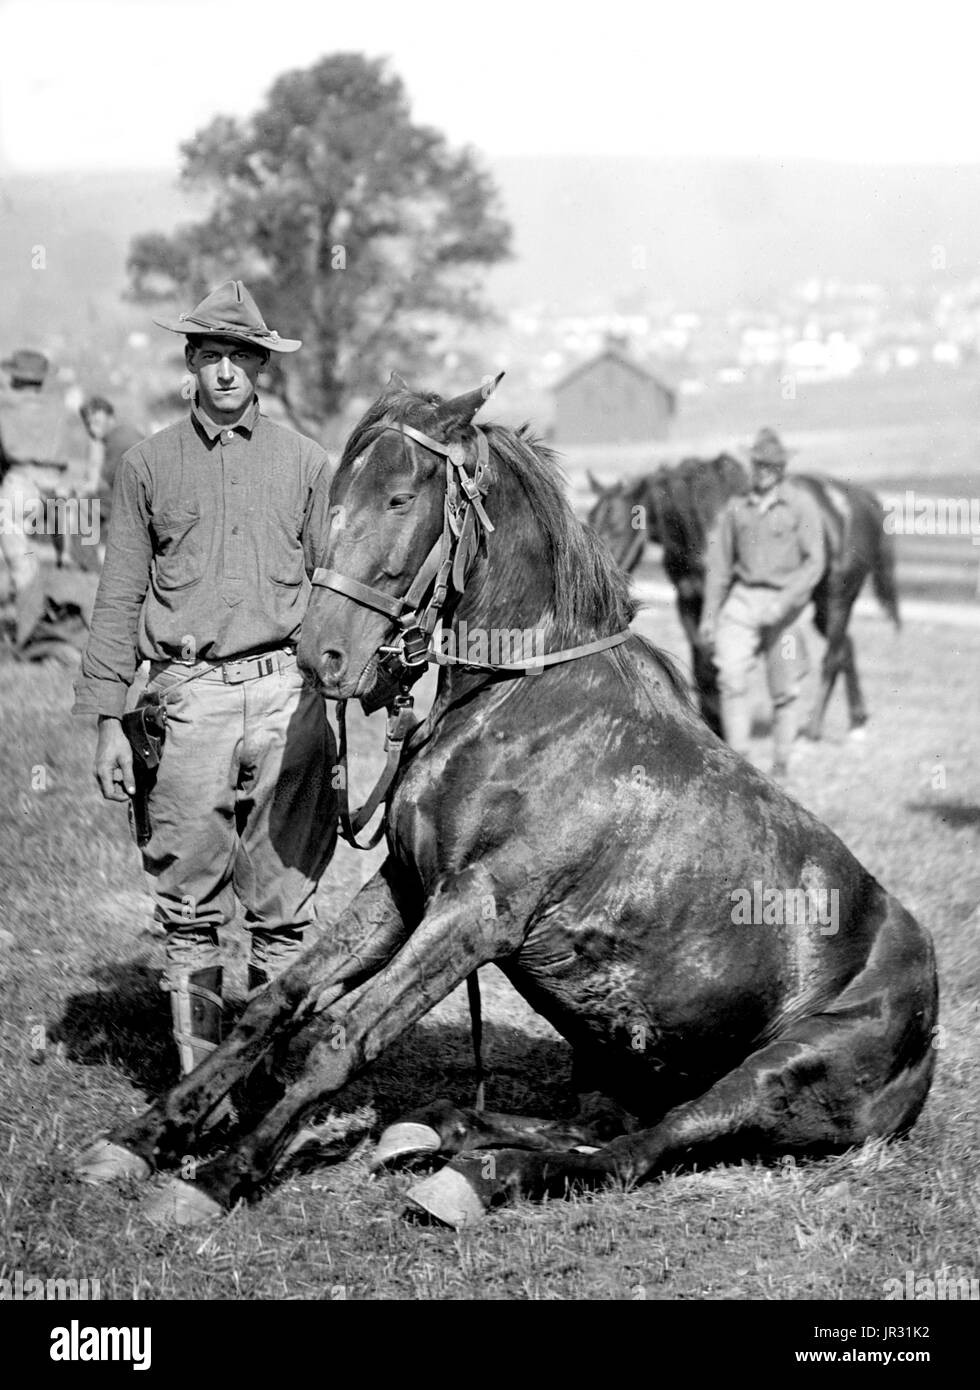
{"x": 401, "y": 499}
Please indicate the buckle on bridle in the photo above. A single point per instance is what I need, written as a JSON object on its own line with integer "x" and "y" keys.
{"x": 414, "y": 647}
{"x": 410, "y": 650}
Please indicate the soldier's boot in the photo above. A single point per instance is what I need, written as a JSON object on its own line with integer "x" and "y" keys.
{"x": 197, "y": 1009}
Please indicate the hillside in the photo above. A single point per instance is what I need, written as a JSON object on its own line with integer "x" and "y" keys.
{"x": 708, "y": 233}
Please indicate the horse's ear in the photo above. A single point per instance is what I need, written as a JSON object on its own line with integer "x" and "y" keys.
{"x": 598, "y": 488}
{"x": 398, "y": 383}
{"x": 460, "y": 410}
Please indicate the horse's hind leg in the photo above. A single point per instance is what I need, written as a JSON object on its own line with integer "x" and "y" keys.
{"x": 446, "y": 1129}
{"x": 858, "y": 1069}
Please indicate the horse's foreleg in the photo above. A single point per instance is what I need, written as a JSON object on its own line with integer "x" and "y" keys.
{"x": 830, "y": 619}
{"x": 704, "y": 672}
{"x": 454, "y": 938}
{"x": 855, "y": 699}
{"x": 165, "y": 1133}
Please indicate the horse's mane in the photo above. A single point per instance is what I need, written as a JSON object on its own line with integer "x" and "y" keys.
{"x": 689, "y": 496}
{"x": 590, "y": 590}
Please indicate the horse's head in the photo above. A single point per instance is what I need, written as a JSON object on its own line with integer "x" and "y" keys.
{"x": 619, "y": 517}
{"x": 380, "y": 522}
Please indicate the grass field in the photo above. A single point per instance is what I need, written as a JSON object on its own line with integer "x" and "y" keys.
{"x": 84, "y": 1038}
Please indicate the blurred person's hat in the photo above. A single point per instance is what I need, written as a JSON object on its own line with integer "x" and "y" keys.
{"x": 230, "y": 312}
{"x": 27, "y": 366}
{"x": 768, "y": 448}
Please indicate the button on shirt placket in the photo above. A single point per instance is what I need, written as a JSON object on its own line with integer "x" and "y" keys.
{"x": 233, "y": 568}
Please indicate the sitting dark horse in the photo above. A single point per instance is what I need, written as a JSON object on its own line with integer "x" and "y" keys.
{"x": 722, "y": 966}
{"x": 675, "y": 508}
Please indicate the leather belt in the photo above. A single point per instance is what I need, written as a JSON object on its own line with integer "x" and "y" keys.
{"x": 248, "y": 668}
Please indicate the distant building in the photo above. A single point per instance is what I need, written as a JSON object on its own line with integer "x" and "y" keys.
{"x": 611, "y": 399}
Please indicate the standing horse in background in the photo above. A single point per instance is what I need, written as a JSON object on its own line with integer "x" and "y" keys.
{"x": 570, "y": 818}
{"x": 675, "y": 507}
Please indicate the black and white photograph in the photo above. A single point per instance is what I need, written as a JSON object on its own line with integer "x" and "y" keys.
{"x": 489, "y": 665}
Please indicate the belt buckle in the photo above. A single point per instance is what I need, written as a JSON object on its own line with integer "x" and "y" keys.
{"x": 249, "y": 668}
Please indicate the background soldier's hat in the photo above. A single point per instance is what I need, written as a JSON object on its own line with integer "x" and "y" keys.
{"x": 230, "y": 312}
{"x": 767, "y": 447}
{"x": 27, "y": 365}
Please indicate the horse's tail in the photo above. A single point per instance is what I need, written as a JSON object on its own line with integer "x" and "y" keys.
{"x": 883, "y": 576}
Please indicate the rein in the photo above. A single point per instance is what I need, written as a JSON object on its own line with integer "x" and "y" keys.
{"x": 465, "y": 523}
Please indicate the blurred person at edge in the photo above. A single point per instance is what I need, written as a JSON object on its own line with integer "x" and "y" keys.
{"x": 205, "y": 577}
{"x": 42, "y": 457}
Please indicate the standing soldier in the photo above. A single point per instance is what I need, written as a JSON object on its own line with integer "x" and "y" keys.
{"x": 204, "y": 577}
{"x": 766, "y": 555}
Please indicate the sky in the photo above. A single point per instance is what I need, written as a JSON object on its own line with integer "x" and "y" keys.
{"x": 117, "y": 84}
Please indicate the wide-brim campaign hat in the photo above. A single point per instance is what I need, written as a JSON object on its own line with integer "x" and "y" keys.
{"x": 230, "y": 312}
{"x": 27, "y": 365}
{"x": 767, "y": 447}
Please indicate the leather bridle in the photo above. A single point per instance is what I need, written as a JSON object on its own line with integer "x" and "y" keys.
{"x": 465, "y": 525}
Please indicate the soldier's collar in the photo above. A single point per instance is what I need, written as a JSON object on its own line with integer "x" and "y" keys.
{"x": 765, "y": 501}
{"x": 212, "y": 430}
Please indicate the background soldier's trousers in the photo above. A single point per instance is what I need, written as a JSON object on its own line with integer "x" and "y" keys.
{"x": 740, "y": 638}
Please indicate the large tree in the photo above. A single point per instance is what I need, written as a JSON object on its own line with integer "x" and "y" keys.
{"x": 357, "y": 230}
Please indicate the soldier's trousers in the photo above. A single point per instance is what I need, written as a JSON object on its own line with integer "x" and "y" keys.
{"x": 740, "y": 639}
{"x": 244, "y": 808}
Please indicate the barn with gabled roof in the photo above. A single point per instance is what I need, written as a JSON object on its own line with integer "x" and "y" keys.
{"x": 611, "y": 399}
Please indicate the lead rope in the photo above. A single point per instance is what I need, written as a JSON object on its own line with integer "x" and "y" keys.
{"x": 476, "y": 1027}
{"x": 401, "y": 722}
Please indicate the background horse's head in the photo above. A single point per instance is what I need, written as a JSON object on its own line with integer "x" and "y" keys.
{"x": 686, "y": 501}
{"x": 622, "y": 519}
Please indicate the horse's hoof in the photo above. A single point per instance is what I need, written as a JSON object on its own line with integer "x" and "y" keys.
{"x": 105, "y": 1161}
{"x": 179, "y": 1203}
{"x": 400, "y": 1140}
{"x": 858, "y": 734}
{"x": 449, "y": 1198}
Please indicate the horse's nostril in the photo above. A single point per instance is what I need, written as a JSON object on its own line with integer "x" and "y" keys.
{"x": 334, "y": 662}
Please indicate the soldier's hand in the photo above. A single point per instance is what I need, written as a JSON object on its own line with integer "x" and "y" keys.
{"x": 706, "y": 637}
{"x": 114, "y": 761}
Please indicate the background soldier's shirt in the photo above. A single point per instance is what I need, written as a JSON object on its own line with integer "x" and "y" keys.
{"x": 773, "y": 542}
{"x": 205, "y": 556}
{"x": 36, "y": 428}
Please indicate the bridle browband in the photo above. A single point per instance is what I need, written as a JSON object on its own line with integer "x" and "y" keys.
{"x": 465, "y": 524}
